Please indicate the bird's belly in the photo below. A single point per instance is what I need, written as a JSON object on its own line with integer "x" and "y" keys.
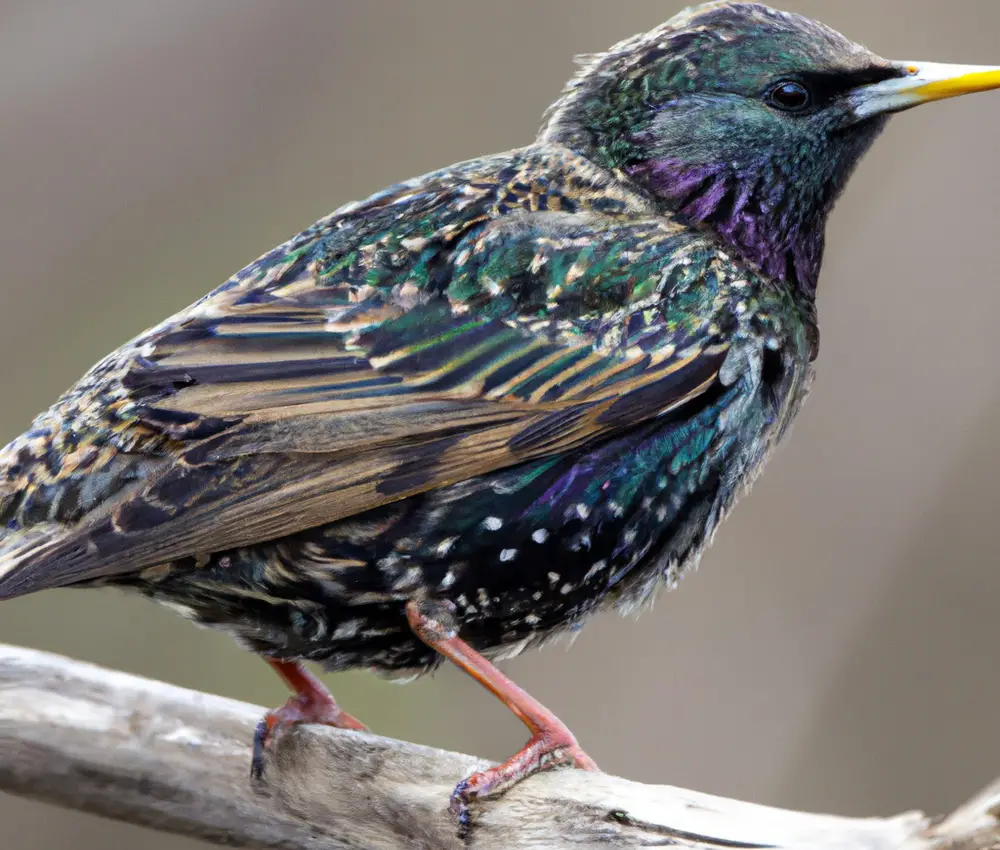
{"x": 507, "y": 596}
{"x": 521, "y": 554}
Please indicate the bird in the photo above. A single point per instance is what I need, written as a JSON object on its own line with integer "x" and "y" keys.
{"x": 455, "y": 419}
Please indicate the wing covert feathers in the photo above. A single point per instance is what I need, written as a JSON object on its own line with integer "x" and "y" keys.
{"x": 444, "y": 329}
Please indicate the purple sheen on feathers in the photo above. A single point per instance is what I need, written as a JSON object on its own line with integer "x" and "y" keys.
{"x": 750, "y": 216}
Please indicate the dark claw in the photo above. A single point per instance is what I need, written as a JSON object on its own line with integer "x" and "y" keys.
{"x": 311, "y": 703}
{"x": 460, "y": 809}
{"x": 260, "y": 738}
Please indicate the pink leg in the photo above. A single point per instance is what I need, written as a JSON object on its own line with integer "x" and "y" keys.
{"x": 551, "y": 742}
{"x": 311, "y": 703}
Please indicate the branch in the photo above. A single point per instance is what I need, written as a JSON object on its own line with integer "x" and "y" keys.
{"x": 176, "y": 760}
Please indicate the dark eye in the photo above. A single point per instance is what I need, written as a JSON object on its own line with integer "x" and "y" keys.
{"x": 789, "y": 97}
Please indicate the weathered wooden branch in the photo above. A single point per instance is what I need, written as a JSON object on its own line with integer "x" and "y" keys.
{"x": 176, "y": 760}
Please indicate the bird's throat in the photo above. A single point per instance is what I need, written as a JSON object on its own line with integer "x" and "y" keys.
{"x": 760, "y": 217}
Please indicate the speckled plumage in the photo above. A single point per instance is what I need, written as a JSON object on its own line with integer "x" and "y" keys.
{"x": 510, "y": 373}
{"x": 511, "y": 392}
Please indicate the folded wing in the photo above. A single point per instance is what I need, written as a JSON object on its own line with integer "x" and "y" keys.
{"x": 305, "y": 395}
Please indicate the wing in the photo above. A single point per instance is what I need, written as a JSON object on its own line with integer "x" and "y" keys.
{"x": 383, "y": 354}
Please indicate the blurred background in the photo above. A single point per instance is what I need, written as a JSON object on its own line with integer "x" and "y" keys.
{"x": 837, "y": 649}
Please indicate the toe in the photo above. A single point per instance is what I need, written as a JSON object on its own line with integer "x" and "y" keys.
{"x": 581, "y": 761}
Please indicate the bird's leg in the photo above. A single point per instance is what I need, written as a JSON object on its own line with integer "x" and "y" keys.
{"x": 311, "y": 703}
{"x": 551, "y": 742}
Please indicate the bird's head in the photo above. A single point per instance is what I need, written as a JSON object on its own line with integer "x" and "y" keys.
{"x": 747, "y": 120}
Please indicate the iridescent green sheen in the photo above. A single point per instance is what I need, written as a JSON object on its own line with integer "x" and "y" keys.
{"x": 522, "y": 388}
{"x": 578, "y": 354}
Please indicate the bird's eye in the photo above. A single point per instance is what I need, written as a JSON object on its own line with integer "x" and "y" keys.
{"x": 789, "y": 97}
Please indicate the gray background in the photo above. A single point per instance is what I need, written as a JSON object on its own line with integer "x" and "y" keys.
{"x": 837, "y": 648}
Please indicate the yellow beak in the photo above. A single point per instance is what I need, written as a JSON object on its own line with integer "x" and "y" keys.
{"x": 924, "y": 82}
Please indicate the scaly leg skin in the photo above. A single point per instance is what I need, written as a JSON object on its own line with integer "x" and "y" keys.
{"x": 311, "y": 703}
{"x": 551, "y": 742}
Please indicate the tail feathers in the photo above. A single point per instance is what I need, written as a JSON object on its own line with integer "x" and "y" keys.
{"x": 25, "y": 559}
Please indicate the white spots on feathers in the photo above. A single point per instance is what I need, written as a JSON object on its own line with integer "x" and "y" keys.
{"x": 508, "y": 555}
{"x": 598, "y": 566}
{"x": 540, "y": 535}
{"x": 674, "y": 571}
{"x": 389, "y": 562}
{"x": 409, "y": 580}
{"x": 510, "y": 650}
{"x": 414, "y": 243}
{"x": 348, "y": 629}
{"x": 185, "y": 611}
{"x": 491, "y": 286}
{"x": 492, "y": 523}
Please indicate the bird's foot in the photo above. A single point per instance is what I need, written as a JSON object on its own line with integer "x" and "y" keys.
{"x": 311, "y": 703}
{"x": 551, "y": 742}
{"x": 553, "y": 747}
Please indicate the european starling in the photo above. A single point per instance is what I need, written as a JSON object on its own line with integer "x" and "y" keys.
{"x": 456, "y": 418}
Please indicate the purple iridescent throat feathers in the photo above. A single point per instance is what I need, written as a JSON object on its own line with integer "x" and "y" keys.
{"x": 762, "y": 223}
